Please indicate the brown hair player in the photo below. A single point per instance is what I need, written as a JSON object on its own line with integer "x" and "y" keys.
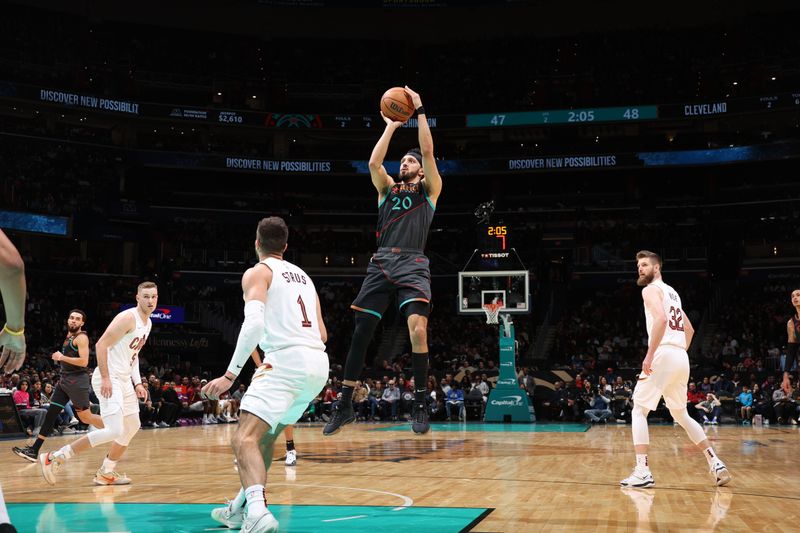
{"x": 399, "y": 267}
{"x": 12, "y": 336}
{"x": 74, "y": 384}
{"x": 117, "y": 383}
{"x": 665, "y": 372}
{"x": 793, "y": 333}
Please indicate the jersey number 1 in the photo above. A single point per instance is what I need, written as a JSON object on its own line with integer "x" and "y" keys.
{"x": 305, "y": 322}
{"x": 676, "y": 320}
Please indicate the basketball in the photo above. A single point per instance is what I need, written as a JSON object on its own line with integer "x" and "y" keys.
{"x": 396, "y": 104}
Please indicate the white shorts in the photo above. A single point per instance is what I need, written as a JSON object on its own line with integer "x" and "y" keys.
{"x": 123, "y": 396}
{"x": 669, "y": 379}
{"x": 285, "y": 384}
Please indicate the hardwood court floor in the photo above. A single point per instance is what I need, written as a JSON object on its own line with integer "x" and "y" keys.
{"x": 465, "y": 477}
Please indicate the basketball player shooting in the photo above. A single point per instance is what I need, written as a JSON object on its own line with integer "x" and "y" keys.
{"x": 281, "y": 313}
{"x": 793, "y": 332}
{"x": 665, "y": 372}
{"x": 399, "y": 267}
{"x": 74, "y": 384}
{"x": 118, "y": 385}
{"x": 12, "y": 337}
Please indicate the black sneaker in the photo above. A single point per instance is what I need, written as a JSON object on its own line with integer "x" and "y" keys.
{"x": 419, "y": 419}
{"x": 342, "y": 416}
{"x": 26, "y": 453}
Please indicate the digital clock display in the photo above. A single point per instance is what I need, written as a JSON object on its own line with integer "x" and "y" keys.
{"x": 498, "y": 232}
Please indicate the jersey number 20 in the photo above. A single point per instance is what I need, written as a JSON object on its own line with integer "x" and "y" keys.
{"x": 675, "y": 319}
{"x": 305, "y": 322}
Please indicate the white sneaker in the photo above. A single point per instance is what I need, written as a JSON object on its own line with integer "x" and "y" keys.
{"x": 639, "y": 479}
{"x": 265, "y": 523}
{"x": 291, "y": 457}
{"x": 163, "y": 425}
{"x": 228, "y": 516}
{"x": 50, "y": 464}
{"x": 720, "y": 473}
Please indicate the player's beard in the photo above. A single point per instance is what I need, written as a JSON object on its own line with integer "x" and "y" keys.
{"x": 645, "y": 279}
{"x": 406, "y": 176}
{"x": 73, "y": 330}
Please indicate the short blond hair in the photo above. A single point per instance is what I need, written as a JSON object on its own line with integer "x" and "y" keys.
{"x": 647, "y": 254}
{"x": 145, "y": 285}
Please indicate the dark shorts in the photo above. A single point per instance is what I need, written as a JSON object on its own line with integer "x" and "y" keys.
{"x": 406, "y": 275}
{"x": 73, "y": 387}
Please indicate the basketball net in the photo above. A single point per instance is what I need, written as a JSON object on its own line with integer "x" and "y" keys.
{"x": 492, "y": 312}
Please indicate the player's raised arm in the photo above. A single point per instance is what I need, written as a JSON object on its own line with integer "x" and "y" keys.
{"x": 122, "y": 324}
{"x": 652, "y": 297}
{"x": 380, "y": 178}
{"x": 12, "y": 289}
{"x": 255, "y": 284}
{"x": 433, "y": 181}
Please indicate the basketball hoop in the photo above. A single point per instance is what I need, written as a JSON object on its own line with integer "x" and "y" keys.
{"x": 492, "y": 312}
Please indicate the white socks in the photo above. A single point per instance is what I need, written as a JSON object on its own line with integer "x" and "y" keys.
{"x": 641, "y": 462}
{"x": 109, "y": 465}
{"x": 256, "y": 502}
{"x": 66, "y": 452}
{"x": 239, "y": 500}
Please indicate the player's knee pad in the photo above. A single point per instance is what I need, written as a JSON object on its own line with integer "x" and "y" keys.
{"x": 130, "y": 426}
{"x": 693, "y": 429}
{"x": 114, "y": 427}
{"x": 639, "y": 425}
{"x": 366, "y": 323}
{"x": 416, "y": 308}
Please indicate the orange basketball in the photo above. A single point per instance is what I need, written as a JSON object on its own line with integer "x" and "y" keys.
{"x": 396, "y": 104}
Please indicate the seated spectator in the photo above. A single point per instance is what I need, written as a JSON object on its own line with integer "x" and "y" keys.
{"x": 724, "y": 388}
{"x": 622, "y": 400}
{"x": 390, "y": 400}
{"x": 784, "y": 405}
{"x": 706, "y": 386}
{"x": 361, "y": 401}
{"x": 455, "y": 399}
{"x": 30, "y": 415}
{"x": 710, "y": 408}
{"x": 599, "y": 411}
{"x": 693, "y": 397}
{"x": 762, "y": 405}
{"x": 745, "y": 398}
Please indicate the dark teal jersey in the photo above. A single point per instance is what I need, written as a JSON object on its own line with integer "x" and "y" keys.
{"x": 404, "y": 217}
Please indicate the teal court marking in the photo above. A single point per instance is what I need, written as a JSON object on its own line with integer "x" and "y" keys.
{"x": 196, "y": 518}
{"x": 495, "y": 428}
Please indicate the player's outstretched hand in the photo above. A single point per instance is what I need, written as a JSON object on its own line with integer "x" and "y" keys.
{"x": 105, "y": 387}
{"x": 13, "y": 351}
{"x": 389, "y": 122}
{"x": 216, "y": 388}
{"x": 415, "y": 97}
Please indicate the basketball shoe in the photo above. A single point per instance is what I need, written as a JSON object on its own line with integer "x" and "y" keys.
{"x": 342, "y": 415}
{"x": 720, "y": 473}
{"x": 640, "y": 478}
{"x": 26, "y": 453}
{"x": 229, "y": 516}
{"x": 419, "y": 419}
{"x": 51, "y": 464}
{"x": 265, "y": 523}
{"x": 291, "y": 457}
{"x": 110, "y": 478}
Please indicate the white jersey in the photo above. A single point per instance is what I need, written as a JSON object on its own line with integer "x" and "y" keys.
{"x": 124, "y": 354}
{"x": 291, "y": 311}
{"x": 674, "y": 334}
